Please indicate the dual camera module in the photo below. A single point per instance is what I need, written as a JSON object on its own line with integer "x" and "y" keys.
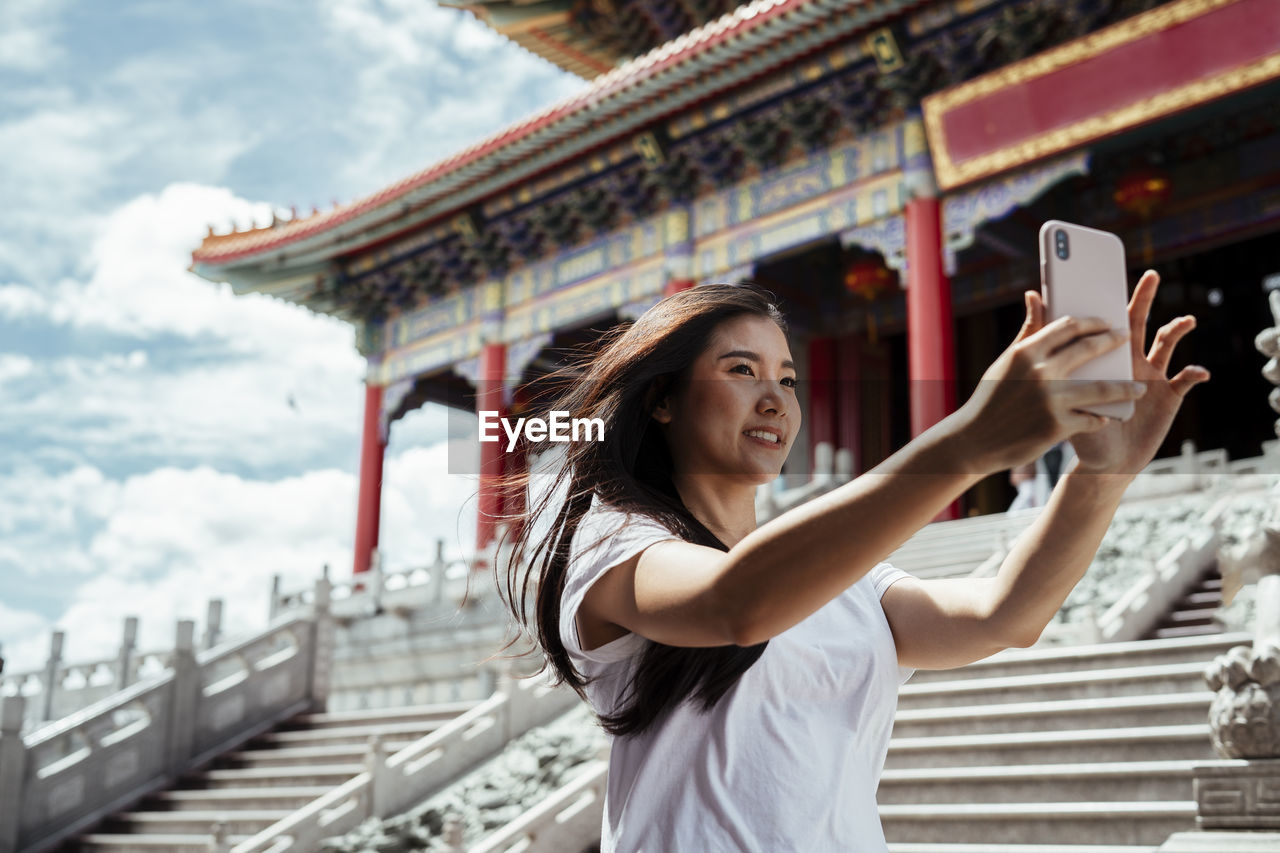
{"x": 1060, "y": 244}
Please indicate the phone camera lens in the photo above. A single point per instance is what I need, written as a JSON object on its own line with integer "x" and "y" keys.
{"x": 1060, "y": 242}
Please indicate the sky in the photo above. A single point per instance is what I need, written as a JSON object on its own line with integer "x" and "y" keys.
{"x": 162, "y": 442}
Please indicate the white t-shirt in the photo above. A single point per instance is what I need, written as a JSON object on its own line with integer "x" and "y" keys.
{"x": 790, "y": 757}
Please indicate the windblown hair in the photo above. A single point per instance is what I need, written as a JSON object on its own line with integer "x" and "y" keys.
{"x": 632, "y": 369}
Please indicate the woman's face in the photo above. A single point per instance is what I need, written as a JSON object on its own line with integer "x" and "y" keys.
{"x": 737, "y": 414}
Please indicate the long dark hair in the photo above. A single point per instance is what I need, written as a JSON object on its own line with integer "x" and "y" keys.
{"x": 630, "y": 370}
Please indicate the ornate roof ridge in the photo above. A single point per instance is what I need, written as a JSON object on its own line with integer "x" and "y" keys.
{"x": 225, "y": 248}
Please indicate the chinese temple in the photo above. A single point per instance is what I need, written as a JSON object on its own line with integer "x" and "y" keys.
{"x": 883, "y": 166}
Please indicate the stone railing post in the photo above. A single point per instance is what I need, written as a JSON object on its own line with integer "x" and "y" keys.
{"x": 322, "y": 641}
{"x": 185, "y": 698}
{"x": 128, "y": 646}
{"x": 273, "y": 608}
{"x": 437, "y": 573}
{"x": 51, "y": 680}
{"x": 375, "y": 764}
{"x": 213, "y": 624}
{"x": 13, "y": 760}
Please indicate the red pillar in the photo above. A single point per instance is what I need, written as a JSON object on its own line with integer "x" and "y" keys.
{"x": 489, "y": 398}
{"x": 931, "y": 362}
{"x": 676, "y": 285}
{"x": 849, "y": 397}
{"x": 369, "y": 502}
{"x": 822, "y": 394}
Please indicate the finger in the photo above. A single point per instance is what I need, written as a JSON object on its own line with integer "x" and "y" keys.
{"x": 1034, "y": 320}
{"x": 1081, "y": 394}
{"x": 1077, "y": 422}
{"x": 1083, "y": 350}
{"x": 1166, "y": 339}
{"x": 1188, "y": 378}
{"x": 1140, "y": 309}
{"x": 1062, "y": 331}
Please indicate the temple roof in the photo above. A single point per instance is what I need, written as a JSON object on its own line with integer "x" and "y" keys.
{"x": 590, "y": 37}
{"x": 706, "y": 61}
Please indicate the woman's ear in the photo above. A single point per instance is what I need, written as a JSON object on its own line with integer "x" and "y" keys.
{"x": 657, "y": 401}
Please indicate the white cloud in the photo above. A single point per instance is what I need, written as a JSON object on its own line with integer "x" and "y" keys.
{"x": 168, "y": 541}
{"x": 27, "y": 34}
{"x": 433, "y": 80}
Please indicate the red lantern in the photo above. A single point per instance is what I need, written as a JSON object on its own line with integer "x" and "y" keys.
{"x": 1142, "y": 191}
{"x": 869, "y": 278}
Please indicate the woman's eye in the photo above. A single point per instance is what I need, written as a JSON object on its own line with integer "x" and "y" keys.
{"x": 745, "y": 367}
{"x": 789, "y": 381}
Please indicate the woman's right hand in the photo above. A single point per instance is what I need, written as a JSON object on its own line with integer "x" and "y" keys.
{"x": 1024, "y": 403}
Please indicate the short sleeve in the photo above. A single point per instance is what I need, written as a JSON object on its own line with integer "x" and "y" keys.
{"x": 883, "y": 576}
{"x": 605, "y": 537}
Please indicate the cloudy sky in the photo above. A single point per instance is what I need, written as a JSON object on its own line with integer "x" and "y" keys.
{"x": 162, "y": 442}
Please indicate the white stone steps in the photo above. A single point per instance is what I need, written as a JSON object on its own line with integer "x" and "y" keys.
{"x": 1147, "y": 781}
{"x": 1102, "y": 712}
{"x": 304, "y": 756}
{"x": 262, "y": 777}
{"x": 1185, "y": 631}
{"x": 1042, "y": 661}
{"x": 115, "y": 843}
{"x": 1188, "y": 742}
{"x": 929, "y": 847}
{"x": 242, "y": 822}
{"x": 1101, "y": 683}
{"x": 349, "y": 734}
{"x": 238, "y": 798}
{"x": 440, "y": 712}
{"x": 1040, "y": 823}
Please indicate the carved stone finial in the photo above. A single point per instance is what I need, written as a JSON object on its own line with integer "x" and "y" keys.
{"x": 1244, "y": 718}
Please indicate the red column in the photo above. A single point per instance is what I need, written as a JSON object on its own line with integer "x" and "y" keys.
{"x": 931, "y": 362}
{"x": 676, "y": 285}
{"x": 822, "y": 393}
{"x": 489, "y": 398}
{"x": 369, "y": 502}
{"x": 849, "y": 397}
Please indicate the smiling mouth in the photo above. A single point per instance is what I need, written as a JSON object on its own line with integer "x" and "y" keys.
{"x": 763, "y": 435}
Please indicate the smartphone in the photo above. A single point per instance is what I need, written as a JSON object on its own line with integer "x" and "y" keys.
{"x": 1083, "y": 274}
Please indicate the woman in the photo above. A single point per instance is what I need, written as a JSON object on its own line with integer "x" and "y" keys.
{"x": 748, "y": 675}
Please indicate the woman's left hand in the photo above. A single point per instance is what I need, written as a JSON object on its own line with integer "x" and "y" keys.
{"x": 1125, "y": 447}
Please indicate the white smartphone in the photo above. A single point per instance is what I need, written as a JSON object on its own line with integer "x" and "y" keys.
{"x": 1083, "y": 274}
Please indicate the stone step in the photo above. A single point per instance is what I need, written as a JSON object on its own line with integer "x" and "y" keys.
{"x": 282, "y": 777}
{"x": 1168, "y": 743}
{"x": 1142, "y": 781}
{"x": 304, "y": 756}
{"x": 1206, "y": 598}
{"x": 115, "y": 843}
{"x": 338, "y": 735}
{"x": 1186, "y": 631}
{"x": 1041, "y": 661}
{"x": 1056, "y": 686}
{"x": 233, "y": 799}
{"x": 945, "y": 847}
{"x": 246, "y": 822}
{"x": 1211, "y": 583}
{"x": 1042, "y": 823}
{"x": 438, "y": 713}
{"x": 1105, "y": 712}
{"x": 1187, "y": 616}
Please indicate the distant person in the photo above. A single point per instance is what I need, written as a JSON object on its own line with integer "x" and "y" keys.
{"x": 748, "y": 674}
{"x": 1035, "y": 480}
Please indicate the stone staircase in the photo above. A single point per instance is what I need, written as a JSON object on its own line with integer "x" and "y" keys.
{"x": 1082, "y": 749}
{"x": 266, "y": 781}
{"x": 1195, "y": 614}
